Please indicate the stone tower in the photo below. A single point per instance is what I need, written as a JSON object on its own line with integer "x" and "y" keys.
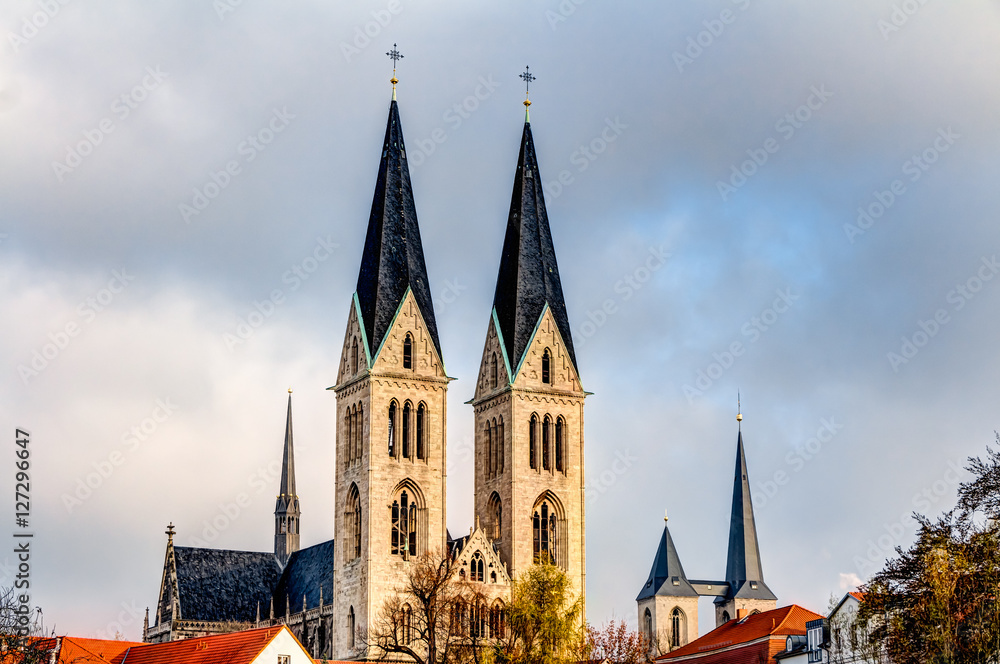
{"x": 529, "y": 401}
{"x": 668, "y": 602}
{"x": 391, "y": 407}
{"x": 286, "y": 509}
{"x": 747, "y": 591}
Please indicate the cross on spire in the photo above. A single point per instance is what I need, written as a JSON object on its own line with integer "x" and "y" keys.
{"x": 527, "y": 77}
{"x": 395, "y": 56}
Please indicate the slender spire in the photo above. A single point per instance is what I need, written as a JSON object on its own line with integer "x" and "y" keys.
{"x": 744, "y": 571}
{"x": 288, "y": 457}
{"x": 393, "y": 259}
{"x": 666, "y": 577}
{"x": 286, "y": 509}
{"x": 528, "y": 279}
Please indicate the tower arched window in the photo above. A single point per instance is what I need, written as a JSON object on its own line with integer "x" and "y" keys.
{"x": 495, "y": 512}
{"x": 406, "y": 430}
{"x": 354, "y": 355}
{"x": 560, "y": 446}
{"x": 406, "y": 623}
{"x": 392, "y": 429}
{"x": 675, "y": 627}
{"x": 489, "y": 448}
{"x": 647, "y": 626}
{"x": 498, "y": 620}
{"x": 499, "y": 446}
{"x": 421, "y": 428}
{"x": 493, "y": 372}
{"x": 725, "y": 617}
{"x": 546, "y": 427}
{"x": 477, "y": 570}
{"x": 348, "y": 436}
{"x": 350, "y": 628}
{"x": 546, "y": 367}
{"x": 352, "y": 521}
{"x": 533, "y": 442}
{"x": 359, "y": 433}
{"x": 408, "y": 352}
{"x": 544, "y": 527}
{"x": 404, "y": 525}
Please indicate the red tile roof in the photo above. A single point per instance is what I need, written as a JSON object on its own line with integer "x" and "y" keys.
{"x": 234, "y": 648}
{"x": 858, "y": 596}
{"x": 74, "y": 649}
{"x": 788, "y": 620}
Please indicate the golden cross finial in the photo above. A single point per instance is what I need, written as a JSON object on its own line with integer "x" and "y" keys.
{"x": 739, "y": 409}
{"x": 395, "y": 56}
{"x": 527, "y": 77}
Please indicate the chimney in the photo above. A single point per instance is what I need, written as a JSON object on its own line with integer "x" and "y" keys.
{"x": 741, "y": 614}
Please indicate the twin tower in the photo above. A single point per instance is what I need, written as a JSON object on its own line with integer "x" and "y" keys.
{"x": 392, "y": 409}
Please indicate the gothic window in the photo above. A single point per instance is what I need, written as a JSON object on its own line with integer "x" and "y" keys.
{"x": 404, "y": 525}
{"x": 408, "y": 352}
{"x": 495, "y": 511}
{"x": 498, "y": 620}
{"x": 546, "y": 426}
{"x": 478, "y": 618}
{"x": 493, "y": 577}
{"x": 406, "y": 623}
{"x": 493, "y": 372}
{"x": 725, "y": 616}
{"x": 489, "y": 447}
{"x": 358, "y": 433}
{"x": 406, "y": 430}
{"x": 500, "y": 447}
{"x": 392, "y": 429}
{"x": 352, "y": 521}
{"x": 546, "y": 367}
{"x": 647, "y": 625}
{"x": 476, "y": 568}
{"x": 421, "y": 413}
{"x": 354, "y": 356}
{"x": 560, "y": 432}
{"x": 543, "y": 525}
{"x": 494, "y": 434}
{"x": 458, "y": 624}
{"x": 675, "y": 628}
{"x": 533, "y": 442}
{"x": 350, "y": 628}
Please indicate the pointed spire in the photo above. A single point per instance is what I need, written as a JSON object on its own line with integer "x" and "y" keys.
{"x": 666, "y": 577}
{"x": 527, "y": 77}
{"x": 528, "y": 279}
{"x": 744, "y": 572}
{"x": 393, "y": 259}
{"x": 287, "y": 487}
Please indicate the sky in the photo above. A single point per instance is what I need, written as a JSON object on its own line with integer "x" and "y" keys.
{"x": 793, "y": 202}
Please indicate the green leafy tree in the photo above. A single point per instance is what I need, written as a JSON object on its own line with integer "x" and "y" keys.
{"x": 544, "y": 621}
{"x": 939, "y": 601}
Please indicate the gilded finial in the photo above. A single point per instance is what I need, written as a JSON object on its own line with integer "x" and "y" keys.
{"x": 664, "y": 516}
{"x": 395, "y": 56}
{"x": 527, "y": 77}
{"x": 739, "y": 409}
{"x": 289, "y": 390}
{"x": 170, "y": 531}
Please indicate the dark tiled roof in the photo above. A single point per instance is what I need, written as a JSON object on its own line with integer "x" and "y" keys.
{"x": 529, "y": 277}
{"x": 743, "y": 564}
{"x": 220, "y": 585}
{"x": 393, "y": 258}
{"x": 666, "y": 569}
{"x": 307, "y": 570}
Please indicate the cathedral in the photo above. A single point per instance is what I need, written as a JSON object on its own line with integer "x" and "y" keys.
{"x": 390, "y": 420}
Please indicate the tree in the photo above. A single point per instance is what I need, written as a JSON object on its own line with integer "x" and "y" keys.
{"x": 615, "y": 643}
{"x": 21, "y": 631}
{"x": 543, "y": 620}
{"x": 939, "y": 601}
{"x": 435, "y": 618}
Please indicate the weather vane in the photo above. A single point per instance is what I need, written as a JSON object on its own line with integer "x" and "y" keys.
{"x": 527, "y": 77}
{"x": 395, "y": 56}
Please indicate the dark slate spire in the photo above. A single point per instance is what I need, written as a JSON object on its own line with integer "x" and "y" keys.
{"x": 393, "y": 259}
{"x": 666, "y": 577}
{"x": 528, "y": 277}
{"x": 744, "y": 572}
{"x": 287, "y": 487}
{"x": 287, "y": 515}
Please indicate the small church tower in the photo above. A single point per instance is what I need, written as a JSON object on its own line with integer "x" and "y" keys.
{"x": 668, "y": 602}
{"x": 391, "y": 409}
{"x": 528, "y": 400}
{"x": 286, "y": 509}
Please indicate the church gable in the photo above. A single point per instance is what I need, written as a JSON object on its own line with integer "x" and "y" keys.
{"x": 479, "y": 561}
{"x": 354, "y": 355}
{"x": 408, "y": 341}
{"x": 546, "y": 364}
{"x": 493, "y": 372}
